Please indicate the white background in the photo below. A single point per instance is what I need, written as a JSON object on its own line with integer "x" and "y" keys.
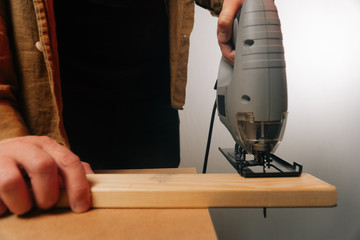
{"x": 322, "y": 52}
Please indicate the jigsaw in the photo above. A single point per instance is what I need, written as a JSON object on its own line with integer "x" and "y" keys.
{"x": 251, "y": 94}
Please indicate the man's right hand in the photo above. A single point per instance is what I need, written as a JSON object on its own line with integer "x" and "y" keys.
{"x": 225, "y": 28}
{"x": 44, "y": 163}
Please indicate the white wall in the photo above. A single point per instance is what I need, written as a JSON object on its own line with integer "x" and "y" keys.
{"x": 322, "y": 51}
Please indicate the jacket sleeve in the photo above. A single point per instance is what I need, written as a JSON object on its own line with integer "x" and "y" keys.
{"x": 11, "y": 123}
{"x": 214, "y": 6}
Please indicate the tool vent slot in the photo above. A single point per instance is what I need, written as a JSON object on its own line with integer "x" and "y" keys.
{"x": 221, "y": 105}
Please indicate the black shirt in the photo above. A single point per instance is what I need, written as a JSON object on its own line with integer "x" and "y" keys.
{"x": 113, "y": 48}
{"x": 114, "y": 65}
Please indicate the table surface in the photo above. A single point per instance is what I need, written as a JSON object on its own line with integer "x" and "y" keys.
{"x": 109, "y": 224}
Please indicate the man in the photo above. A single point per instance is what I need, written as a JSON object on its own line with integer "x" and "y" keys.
{"x": 31, "y": 99}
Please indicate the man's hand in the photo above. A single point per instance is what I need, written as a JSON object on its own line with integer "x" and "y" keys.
{"x": 225, "y": 27}
{"x": 31, "y": 169}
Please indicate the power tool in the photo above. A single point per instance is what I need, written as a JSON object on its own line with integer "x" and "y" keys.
{"x": 251, "y": 96}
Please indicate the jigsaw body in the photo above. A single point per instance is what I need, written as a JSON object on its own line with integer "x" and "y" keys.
{"x": 252, "y": 93}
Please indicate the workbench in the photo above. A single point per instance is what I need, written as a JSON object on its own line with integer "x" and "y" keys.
{"x": 163, "y": 204}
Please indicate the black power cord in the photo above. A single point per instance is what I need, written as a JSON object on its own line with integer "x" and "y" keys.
{"x": 209, "y": 135}
{"x": 209, "y": 138}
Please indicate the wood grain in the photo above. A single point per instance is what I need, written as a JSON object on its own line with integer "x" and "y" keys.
{"x": 206, "y": 190}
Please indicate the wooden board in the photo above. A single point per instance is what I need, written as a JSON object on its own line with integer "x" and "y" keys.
{"x": 206, "y": 190}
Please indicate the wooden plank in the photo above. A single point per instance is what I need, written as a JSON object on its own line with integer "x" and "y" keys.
{"x": 177, "y": 224}
{"x": 206, "y": 190}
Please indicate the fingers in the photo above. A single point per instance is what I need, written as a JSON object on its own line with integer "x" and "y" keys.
{"x": 227, "y": 52}
{"x": 3, "y": 207}
{"x": 73, "y": 174}
{"x": 41, "y": 170}
{"x": 45, "y": 162}
{"x": 224, "y": 28}
{"x": 13, "y": 189}
{"x": 43, "y": 174}
{"x": 87, "y": 168}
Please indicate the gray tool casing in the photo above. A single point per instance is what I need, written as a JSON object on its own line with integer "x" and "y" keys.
{"x": 254, "y": 90}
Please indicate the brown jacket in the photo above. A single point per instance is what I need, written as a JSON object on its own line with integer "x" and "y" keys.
{"x": 30, "y": 93}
